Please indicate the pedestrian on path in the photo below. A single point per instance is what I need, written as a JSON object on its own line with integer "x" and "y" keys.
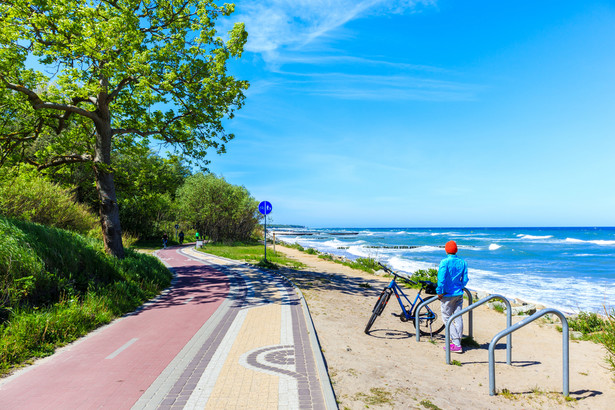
{"x": 165, "y": 240}
{"x": 181, "y": 237}
{"x": 452, "y": 278}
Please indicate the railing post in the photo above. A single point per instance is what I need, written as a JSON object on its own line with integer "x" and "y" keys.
{"x": 416, "y": 315}
{"x": 519, "y": 325}
{"x": 470, "y": 314}
{"x": 447, "y": 331}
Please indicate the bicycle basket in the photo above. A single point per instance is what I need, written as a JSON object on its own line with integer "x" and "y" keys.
{"x": 430, "y": 288}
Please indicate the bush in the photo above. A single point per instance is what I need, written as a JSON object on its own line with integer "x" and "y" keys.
{"x": 220, "y": 211}
{"x": 30, "y": 197}
{"x": 430, "y": 274}
{"x": 586, "y": 323}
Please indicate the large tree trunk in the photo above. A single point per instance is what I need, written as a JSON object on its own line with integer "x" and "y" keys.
{"x": 109, "y": 210}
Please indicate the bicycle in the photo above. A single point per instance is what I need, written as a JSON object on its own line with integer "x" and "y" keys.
{"x": 430, "y": 322}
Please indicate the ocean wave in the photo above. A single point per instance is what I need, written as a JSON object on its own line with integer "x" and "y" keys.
{"x": 494, "y": 247}
{"x": 595, "y": 242}
{"x": 408, "y": 266}
{"x": 534, "y": 237}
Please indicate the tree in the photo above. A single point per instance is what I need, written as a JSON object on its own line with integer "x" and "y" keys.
{"x": 146, "y": 185}
{"x": 221, "y": 211}
{"x": 119, "y": 72}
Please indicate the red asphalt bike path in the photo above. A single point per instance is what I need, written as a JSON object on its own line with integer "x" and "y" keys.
{"x": 115, "y": 365}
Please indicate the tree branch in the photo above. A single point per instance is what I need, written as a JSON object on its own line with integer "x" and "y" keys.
{"x": 65, "y": 159}
{"x": 38, "y": 104}
{"x": 120, "y": 87}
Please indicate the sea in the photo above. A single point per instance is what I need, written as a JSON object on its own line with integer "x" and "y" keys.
{"x": 570, "y": 269}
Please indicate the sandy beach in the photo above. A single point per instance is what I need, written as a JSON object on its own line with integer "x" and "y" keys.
{"x": 389, "y": 369}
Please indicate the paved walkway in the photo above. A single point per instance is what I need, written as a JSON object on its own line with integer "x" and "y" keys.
{"x": 224, "y": 336}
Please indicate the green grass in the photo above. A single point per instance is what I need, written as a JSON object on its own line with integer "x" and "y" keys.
{"x": 429, "y": 405}
{"x": 252, "y": 253}
{"x": 469, "y": 342}
{"x": 376, "y": 396}
{"x": 57, "y": 286}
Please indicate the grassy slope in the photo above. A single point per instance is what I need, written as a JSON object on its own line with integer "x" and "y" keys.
{"x": 56, "y": 286}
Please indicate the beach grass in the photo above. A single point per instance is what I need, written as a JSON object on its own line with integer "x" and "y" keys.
{"x": 597, "y": 328}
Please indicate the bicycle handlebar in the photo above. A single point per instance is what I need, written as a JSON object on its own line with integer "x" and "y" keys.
{"x": 397, "y": 275}
{"x": 423, "y": 283}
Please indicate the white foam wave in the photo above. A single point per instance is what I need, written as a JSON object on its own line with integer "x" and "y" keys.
{"x": 596, "y": 242}
{"x": 408, "y": 266}
{"x": 534, "y": 237}
{"x": 494, "y": 247}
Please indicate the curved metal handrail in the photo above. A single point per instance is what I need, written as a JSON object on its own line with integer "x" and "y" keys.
{"x": 447, "y": 332}
{"x": 516, "y": 326}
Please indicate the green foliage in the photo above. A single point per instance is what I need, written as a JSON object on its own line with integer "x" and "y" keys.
{"x": 469, "y": 342}
{"x": 428, "y": 274}
{"x": 429, "y": 405}
{"x": 28, "y": 196}
{"x": 295, "y": 246}
{"x": 146, "y": 185}
{"x": 376, "y": 396}
{"x": 220, "y": 211}
{"x": 162, "y": 69}
{"x": 608, "y": 338}
{"x": 311, "y": 251}
{"x": 586, "y": 322}
{"x": 115, "y": 75}
{"x": 267, "y": 264}
{"x": 57, "y": 285}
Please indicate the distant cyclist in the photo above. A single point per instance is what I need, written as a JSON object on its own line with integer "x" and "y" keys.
{"x": 452, "y": 278}
{"x": 165, "y": 239}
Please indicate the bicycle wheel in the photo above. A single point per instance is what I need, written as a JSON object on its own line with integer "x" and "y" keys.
{"x": 430, "y": 319}
{"x": 378, "y": 307}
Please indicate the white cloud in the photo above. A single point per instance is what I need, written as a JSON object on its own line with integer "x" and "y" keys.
{"x": 274, "y": 25}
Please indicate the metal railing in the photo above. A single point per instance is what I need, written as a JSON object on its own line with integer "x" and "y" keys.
{"x": 433, "y": 299}
{"x": 510, "y": 329}
{"x": 447, "y": 331}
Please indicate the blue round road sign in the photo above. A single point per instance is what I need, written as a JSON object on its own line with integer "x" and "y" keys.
{"x": 264, "y": 207}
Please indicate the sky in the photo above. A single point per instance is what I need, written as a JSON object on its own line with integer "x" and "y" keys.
{"x": 402, "y": 113}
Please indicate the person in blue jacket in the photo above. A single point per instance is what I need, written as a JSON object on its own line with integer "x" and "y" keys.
{"x": 452, "y": 278}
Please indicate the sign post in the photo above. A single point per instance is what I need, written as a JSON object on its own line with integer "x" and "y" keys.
{"x": 265, "y": 208}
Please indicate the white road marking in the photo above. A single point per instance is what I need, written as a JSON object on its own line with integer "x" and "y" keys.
{"x": 121, "y": 349}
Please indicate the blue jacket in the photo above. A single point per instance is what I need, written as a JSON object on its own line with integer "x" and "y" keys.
{"x": 452, "y": 276}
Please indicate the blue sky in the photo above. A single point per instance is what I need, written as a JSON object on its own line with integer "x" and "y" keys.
{"x": 436, "y": 113}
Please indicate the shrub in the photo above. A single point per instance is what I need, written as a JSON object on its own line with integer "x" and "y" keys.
{"x": 430, "y": 274}
{"x": 220, "y": 211}
{"x": 30, "y": 197}
{"x": 586, "y": 323}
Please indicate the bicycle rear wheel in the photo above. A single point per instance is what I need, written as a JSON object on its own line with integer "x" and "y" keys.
{"x": 379, "y": 307}
{"x": 430, "y": 319}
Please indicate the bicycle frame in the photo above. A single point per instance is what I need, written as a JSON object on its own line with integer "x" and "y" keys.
{"x": 399, "y": 293}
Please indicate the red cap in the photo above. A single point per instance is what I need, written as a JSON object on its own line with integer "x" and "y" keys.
{"x": 450, "y": 247}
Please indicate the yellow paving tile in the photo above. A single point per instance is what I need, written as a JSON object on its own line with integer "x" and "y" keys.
{"x": 261, "y": 328}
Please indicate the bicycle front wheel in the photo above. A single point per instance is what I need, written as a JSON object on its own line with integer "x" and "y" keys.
{"x": 430, "y": 319}
{"x": 378, "y": 307}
